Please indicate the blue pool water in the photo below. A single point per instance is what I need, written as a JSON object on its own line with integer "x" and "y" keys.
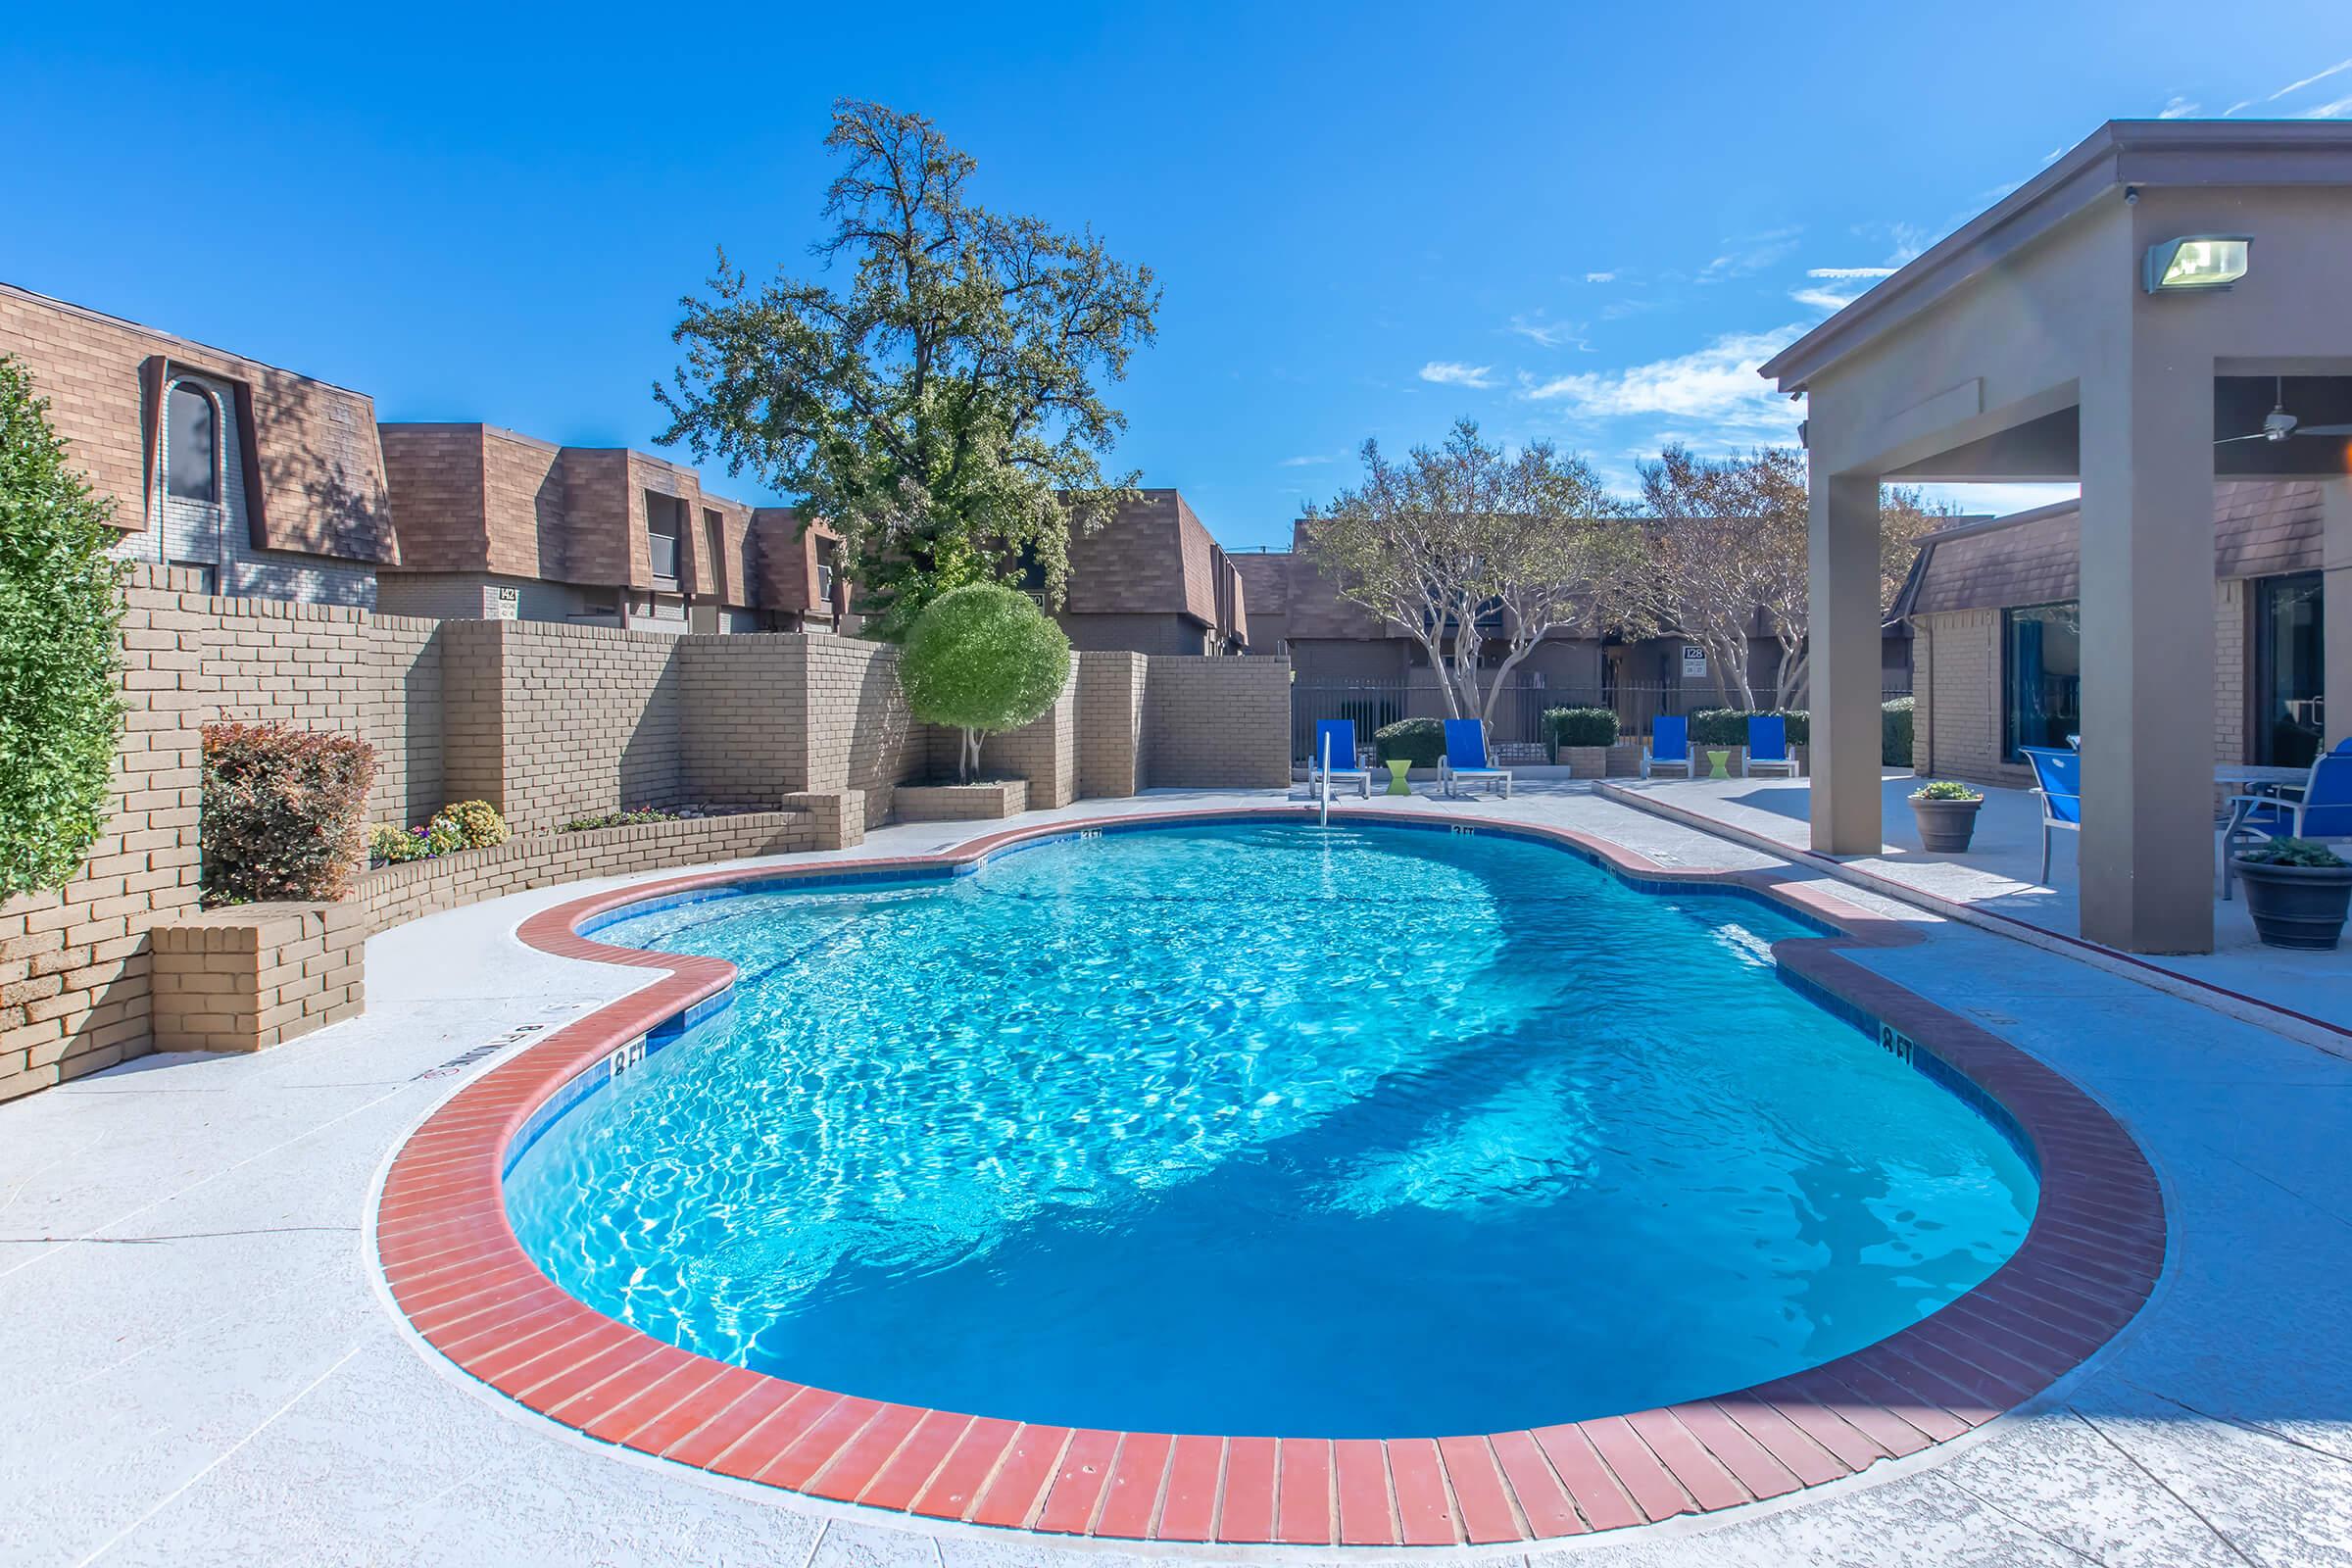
{"x": 1266, "y": 1129}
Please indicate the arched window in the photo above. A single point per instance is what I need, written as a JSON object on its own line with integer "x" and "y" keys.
{"x": 191, "y": 444}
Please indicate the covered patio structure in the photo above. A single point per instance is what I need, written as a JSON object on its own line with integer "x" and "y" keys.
{"x": 2123, "y": 319}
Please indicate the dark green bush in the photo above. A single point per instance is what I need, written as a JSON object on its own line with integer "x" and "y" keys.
{"x": 61, "y": 601}
{"x": 1418, "y": 741}
{"x": 1728, "y": 726}
{"x": 1895, "y": 732}
{"x": 283, "y": 812}
{"x": 1579, "y": 726}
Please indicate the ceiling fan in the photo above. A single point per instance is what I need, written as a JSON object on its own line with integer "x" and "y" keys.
{"x": 2278, "y": 424}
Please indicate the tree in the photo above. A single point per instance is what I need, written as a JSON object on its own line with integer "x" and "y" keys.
{"x": 940, "y": 413}
{"x": 981, "y": 658}
{"x": 61, "y": 603}
{"x": 1529, "y": 542}
{"x": 1729, "y": 540}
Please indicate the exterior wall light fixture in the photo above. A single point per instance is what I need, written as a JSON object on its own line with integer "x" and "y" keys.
{"x": 2195, "y": 262}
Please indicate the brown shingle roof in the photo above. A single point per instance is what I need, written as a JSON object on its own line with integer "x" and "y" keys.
{"x": 2261, "y": 527}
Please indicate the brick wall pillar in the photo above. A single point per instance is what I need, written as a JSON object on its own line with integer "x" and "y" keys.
{"x": 254, "y": 976}
{"x": 840, "y": 815}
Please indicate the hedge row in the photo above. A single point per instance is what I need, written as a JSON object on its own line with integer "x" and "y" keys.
{"x": 283, "y": 812}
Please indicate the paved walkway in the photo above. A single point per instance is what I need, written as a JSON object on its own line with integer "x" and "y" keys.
{"x": 2000, "y": 873}
{"x": 200, "y": 1367}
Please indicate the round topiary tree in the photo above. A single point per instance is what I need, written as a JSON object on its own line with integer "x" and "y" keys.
{"x": 61, "y": 603}
{"x": 981, "y": 658}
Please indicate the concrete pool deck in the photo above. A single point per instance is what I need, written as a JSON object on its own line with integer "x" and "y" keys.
{"x": 202, "y": 1366}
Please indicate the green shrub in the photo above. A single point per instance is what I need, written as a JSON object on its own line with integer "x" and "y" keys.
{"x": 981, "y": 658}
{"x": 61, "y": 601}
{"x": 283, "y": 812}
{"x": 1728, "y": 726}
{"x": 477, "y": 824}
{"x": 2292, "y": 852}
{"x": 1944, "y": 789}
{"x": 1418, "y": 741}
{"x": 1579, "y": 727}
{"x": 1895, "y": 732}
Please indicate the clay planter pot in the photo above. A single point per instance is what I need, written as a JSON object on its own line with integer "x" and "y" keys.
{"x": 1945, "y": 826}
{"x": 2297, "y": 906}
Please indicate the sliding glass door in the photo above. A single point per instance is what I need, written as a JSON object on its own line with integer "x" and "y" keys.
{"x": 2290, "y": 646}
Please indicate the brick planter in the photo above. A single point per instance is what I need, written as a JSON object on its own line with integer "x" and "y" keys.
{"x": 256, "y": 975}
{"x": 962, "y": 802}
{"x": 1585, "y": 762}
{"x": 392, "y": 893}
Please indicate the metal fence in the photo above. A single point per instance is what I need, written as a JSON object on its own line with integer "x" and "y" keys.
{"x": 1518, "y": 710}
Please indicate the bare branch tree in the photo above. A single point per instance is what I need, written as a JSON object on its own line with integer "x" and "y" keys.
{"x": 1527, "y": 543}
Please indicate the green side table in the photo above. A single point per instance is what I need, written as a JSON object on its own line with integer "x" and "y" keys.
{"x": 1396, "y": 767}
{"x": 1718, "y": 769}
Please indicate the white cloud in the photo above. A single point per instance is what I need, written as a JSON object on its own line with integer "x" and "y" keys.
{"x": 1551, "y": 335}
{"x": 2311, "y": 80}
{"x": 1826, "y": 299}
{"x": 1750, "y": 254}
{"x": 2334, "y": 111}
{"x": 1999, "y": 500}
{"x": 1601, "y": 277}
{"x": 1452, "y": 372}
{"x": 1849, "y": 272}
{"x": 2178, "y": 108}
{"x": 1306, "y": 461}
{"x": 1714, "y": 386}
{"x": 1910, "y": 239}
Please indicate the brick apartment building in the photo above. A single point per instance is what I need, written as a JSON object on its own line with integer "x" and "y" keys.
{"x": 266, "y": 483}
{"x": 1994, "y": 607}
{"x": 496, "y": 525}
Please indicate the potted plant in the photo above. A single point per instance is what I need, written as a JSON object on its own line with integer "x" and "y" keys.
{"x": 1946, "y": 813}
{"x": 2297, "y": 892}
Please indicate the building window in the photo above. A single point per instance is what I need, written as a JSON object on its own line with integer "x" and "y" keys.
{"x": 662, "y": 526}
{"x": 191, "y": 444}
{"x": 2041, "y": 676}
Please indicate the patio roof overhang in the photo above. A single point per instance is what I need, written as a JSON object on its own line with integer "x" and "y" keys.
{"x": 2026, "y": 347}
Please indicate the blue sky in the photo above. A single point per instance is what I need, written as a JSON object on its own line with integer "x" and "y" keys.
{"x": 1580, "y": 221}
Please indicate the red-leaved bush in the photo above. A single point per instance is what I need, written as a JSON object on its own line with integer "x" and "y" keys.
{"x": 284, "y": 813}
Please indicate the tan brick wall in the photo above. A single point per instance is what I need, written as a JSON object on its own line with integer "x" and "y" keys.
{"x": 2232, "y": 672}
{"x": 255, "y": 975}
{"x": 1957, "y": 679}
{"x": 551, "y": 723}
{"x": 393, "y": 894}
{"x": 964, "y": 802}
{"x": 1110, "y": 723}
{"x": 1217, "y": 723}
{"x": 76, "y": 964}
{"x": 1043, "y": 755}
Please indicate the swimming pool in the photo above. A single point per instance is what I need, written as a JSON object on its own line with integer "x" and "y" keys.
{"x": 1260, "y": 1127}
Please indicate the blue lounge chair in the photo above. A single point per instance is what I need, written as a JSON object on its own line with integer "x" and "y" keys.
{"x": 2323, "y": 811}
{"x": 1669, "y": 744}
{"x": 1466, "y": 756}
{"x": 2058, "y": 780}
{"x": 1768, "y": 746}
{"x": 1340, "y": 734}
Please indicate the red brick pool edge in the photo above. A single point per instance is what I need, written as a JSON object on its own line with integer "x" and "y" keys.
{"x": 2090, "y": 1259}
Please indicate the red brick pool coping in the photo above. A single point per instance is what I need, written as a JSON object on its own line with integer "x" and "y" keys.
{"x": 2088, "y": 1261}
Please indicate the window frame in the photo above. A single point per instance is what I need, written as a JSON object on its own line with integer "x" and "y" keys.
{"x": 219, "y": 476}
{"x": 2010, "y": 753}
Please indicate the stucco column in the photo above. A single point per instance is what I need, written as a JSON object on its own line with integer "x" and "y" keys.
{"x": 1842, "y": 638}
{"x": 2335, "y": 556}
{"x": 2147, "y": 877}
